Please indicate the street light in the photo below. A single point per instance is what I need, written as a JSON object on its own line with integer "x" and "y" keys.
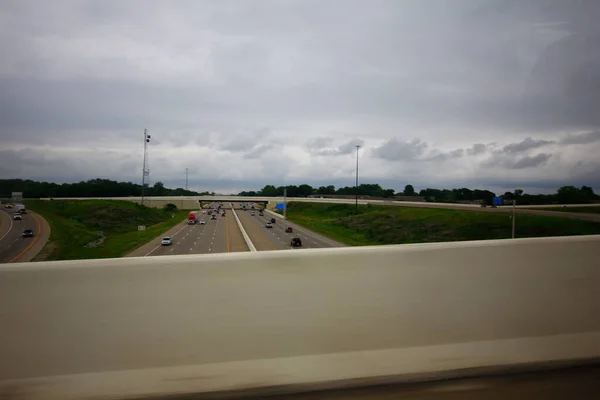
{"x": 356, "y": 185}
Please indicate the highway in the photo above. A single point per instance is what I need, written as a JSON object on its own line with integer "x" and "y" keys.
{"x": 221, "y": 235}
{"x": 13, "y": 246}
{"x": 276, "y": 238}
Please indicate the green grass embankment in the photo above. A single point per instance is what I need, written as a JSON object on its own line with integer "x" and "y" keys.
{"x": 394, "y": 225}
{"x": 77, "y": 223}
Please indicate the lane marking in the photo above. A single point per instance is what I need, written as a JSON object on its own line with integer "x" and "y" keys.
{"x": 35, "y": 239}
{"x": 160, "y": 245}
{"x": 11, "y": 225}
{"x": 191, "y": 248}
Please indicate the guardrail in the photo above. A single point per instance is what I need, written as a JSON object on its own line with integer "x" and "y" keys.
{"x": 295, "y": 320}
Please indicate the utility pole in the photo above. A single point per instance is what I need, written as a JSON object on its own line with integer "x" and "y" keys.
{"x": 356, "y": 185}
{"x": 186, "y": 179}
{"x": 514, "y": 216}
{"x": 145, "y": 167}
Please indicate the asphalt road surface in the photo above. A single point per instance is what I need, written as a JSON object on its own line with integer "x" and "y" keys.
{"x": 221, "y": 235}
{"x": 276, "y": 238}
{"x": 12, "y": 244}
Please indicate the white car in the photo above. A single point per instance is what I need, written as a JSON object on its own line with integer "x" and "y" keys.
{"x": 17, "y": 216}
{"x": 166, "y": 241}
{"x": 202, "y": 222}
{"x": 268, "y": 225}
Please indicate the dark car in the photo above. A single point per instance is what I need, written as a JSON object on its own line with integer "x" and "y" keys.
{"x": 296, "y": 242}
{"x": 28, "y": 233}
{"x": 289, "y": 229}
{"x": 272, "y": 220}
{"x": 214, "y": 216}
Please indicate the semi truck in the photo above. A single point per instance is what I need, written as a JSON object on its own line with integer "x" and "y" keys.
{"x": 20, "y": 208}
{"x": 193, "y": 217}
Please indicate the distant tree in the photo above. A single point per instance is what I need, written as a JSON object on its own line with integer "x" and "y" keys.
{"x": 158, "y": 189}
{"x": 268, "y": 191}
{"x": 518, "y": 193}
{"x": 409, "y": 190}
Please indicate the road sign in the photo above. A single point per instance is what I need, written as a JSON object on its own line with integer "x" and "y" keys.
{"x": 17, "y": 197}
{"x": 498, "y": 201}
{"x": 280, "y": 206}
{"x": 141, "y": 227}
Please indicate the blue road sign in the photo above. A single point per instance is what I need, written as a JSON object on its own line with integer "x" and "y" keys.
{"x": 280, "y": 206}
{"x": 498, "y": 201}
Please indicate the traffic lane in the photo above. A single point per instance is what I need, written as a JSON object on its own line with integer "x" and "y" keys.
{"x": 184, "y": 241}
{"x": 279, "y": 230}
{"x": 259, "y": 235}
{"x": 14, "y": 245}
{"x": 561, "y": 384}
{"x": 213, "y": 239}
{"x": 6, "y": 224}
{"x": 309, "y": 239}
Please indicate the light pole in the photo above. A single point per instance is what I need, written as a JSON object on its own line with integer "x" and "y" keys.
{"x": 356, "y": 185}
{"x": 186, "y": 179}
{"x": 145, "y": 167}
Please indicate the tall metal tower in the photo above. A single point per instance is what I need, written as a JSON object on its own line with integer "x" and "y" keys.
{"x": 145, "y": 167}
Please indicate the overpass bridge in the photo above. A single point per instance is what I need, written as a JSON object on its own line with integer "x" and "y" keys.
{"x": 287, "y": 321}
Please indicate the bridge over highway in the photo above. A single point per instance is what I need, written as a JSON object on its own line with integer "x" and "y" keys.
{"x": 275, "y": 322}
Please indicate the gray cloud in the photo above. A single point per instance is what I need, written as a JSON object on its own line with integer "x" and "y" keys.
{"x": 315, "y": 147}
{"x": 525, "y": 145}
{"x": 397, "y": 150}
{"x": 476, "y": 149}
{"x": 582, "y": 138}
{"x": 517, "y": 163}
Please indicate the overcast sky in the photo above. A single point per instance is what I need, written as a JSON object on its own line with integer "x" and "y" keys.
{"x": 478, "y": 93}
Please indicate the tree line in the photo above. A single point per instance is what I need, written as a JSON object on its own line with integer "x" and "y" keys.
{"x": 90, "y": 188}
{"x": 110, "y": 188}
{"x": 564, "y": 195}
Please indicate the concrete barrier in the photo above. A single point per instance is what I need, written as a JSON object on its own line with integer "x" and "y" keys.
{"x": 125, "y": 328}
{"x": 249, "y": 243}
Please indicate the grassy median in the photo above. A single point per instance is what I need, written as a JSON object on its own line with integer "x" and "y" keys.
{"x": 85, "y": 229}
{"x": 393, "y": 225}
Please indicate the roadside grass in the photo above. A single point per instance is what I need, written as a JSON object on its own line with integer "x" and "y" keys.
{"x": 394, "y": 225}
{"x": 75, "y": 223}
{"x": 586, "y": 210}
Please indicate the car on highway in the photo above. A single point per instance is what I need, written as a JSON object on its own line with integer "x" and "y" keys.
{"x": 17, "y": 216}
{"x": 214, "y": 216}
{"x": 8, "y": 206}
{"x": 261, "y": 214}
{"x": 202, "y": 222}
{"x": 272, "y": 220}
{"x": 289, "y": 229}
{"x": 296, "y": 242}
{"x": 166, "y": 241}
{"x": 223, "y": 214}
{"x": 191, "y": 222}
{"x": 268, "y": 225}
{"x": 28, "y": 233}
{"x": 253, "y": 213}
